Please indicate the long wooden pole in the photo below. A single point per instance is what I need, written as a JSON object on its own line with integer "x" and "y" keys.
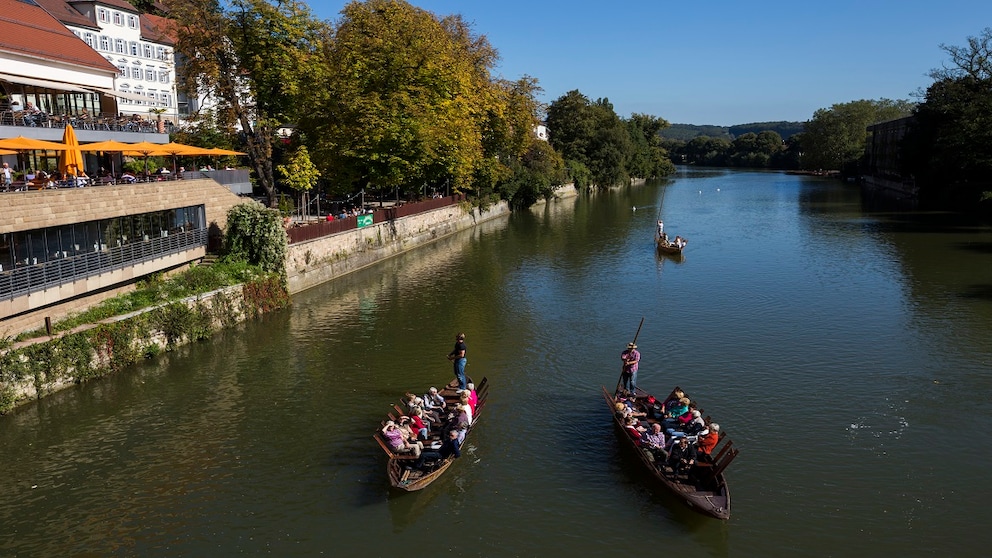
{"x": 620, "y": 379}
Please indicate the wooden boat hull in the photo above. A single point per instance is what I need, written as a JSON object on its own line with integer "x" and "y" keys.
{"x": 708, "y": 496}
{"x": 403, "y": 477}
{"x": 669, "y": 249}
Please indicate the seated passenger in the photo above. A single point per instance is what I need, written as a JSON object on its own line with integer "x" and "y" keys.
{"x": 406, "y": 427}
{"x": 473, "y": 397}
{"x": 433, "y": 400}
{"x": 450, "y": 447}
{"x": 417, "y": 424}
{"x": 397, "y": 441}
{"x": 706, "y": 442}
{"x": 682, "y": 456}
{"x": 653, "y": 443}
{"x": 464, "y": 405}
{"x": 634, "y": 430}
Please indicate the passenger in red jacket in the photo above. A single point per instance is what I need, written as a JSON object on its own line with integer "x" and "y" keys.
{"x": 706, "y": 442}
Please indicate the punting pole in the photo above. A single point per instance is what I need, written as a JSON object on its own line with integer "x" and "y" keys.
{"x": 620, "y": 378}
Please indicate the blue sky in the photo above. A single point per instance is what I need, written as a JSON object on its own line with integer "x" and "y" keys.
{"x": 718, "y": 62}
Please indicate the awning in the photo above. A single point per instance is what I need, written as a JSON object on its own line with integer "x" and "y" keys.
{"x": 125, "y": 95}
{"x": 43, "y": 83}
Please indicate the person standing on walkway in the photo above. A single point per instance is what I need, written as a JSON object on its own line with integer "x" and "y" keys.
{"x": 630, "y": 358}
{"x": 457, "y": 357}
{"x": 7, "y": 178}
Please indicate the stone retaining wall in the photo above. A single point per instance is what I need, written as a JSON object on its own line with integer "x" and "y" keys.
{"x": 317, "y": 261}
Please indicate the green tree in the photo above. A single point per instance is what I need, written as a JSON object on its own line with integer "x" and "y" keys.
{"x": 948, "y": 147}
{"x": 403, "y": 101}
{"x": 649, "y": 158}
{"x": 756, "y": 150}
{"x": 835, "y": 138}
{"x": 300, "y": 174}
{"x": 591, "y": 133}
{"x": 254, "y": 59}
{"x": 707, "y": 151}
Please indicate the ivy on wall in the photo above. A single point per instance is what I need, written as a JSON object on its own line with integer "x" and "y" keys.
{"x": 111, "y": 347}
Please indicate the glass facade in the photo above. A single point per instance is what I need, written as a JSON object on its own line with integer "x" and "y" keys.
{"x": 41, "y": 258}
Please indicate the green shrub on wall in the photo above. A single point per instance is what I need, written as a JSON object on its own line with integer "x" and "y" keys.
{"x": 181, "y": 323}
{"x": 255, "y": 235}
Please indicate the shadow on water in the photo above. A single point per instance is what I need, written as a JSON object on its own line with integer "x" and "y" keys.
{"x": 710, "y": 533}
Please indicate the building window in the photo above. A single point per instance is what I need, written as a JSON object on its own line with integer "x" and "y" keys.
{"x": 132, "y": 21}
{"x": 103, "y": 14}
{"x": 104, "y": 42}
{"x": 161, "y": 53}
{"x": 119, "y": 19}
{"x": 149, "y": 75}
{"x": 119, "y": 46}
{"x": 146, "y": 50}
{"x": 123, "y": 70}
{"x": 90, "y": 40}
{"x": 163, "y": 76}
{"x": 133, "y": 48}
{"x": 136, "y": 73}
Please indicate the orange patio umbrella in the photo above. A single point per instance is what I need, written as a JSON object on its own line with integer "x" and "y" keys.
{"x": 7, "y": 152}
{"x": 21, "y": 144}
{"x": 221, "y": 151}
{"x": 176, "y": 149}
{"x": 71, "y": 159}
{"x": 108, "y": 146}
{"x": 144, "y": 149}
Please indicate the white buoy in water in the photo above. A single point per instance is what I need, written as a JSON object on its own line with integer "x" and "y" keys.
{"x": 634, "y": 208}
{"x": 717, "y": 189}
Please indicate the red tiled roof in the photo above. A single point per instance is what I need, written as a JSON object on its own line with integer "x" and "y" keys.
{"x": 66, "y": 13}
{"x": 158, "y": 29}
{"x": 119, "y": 4}
{"x": 26, "y": 28}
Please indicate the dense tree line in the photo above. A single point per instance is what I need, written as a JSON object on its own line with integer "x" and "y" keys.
{"x": 948, "y": 148}
{"x": 392, "y": 99}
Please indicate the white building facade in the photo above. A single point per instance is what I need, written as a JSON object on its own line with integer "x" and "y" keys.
{"x": 143, "y": 55}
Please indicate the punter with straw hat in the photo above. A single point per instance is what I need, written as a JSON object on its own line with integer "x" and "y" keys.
{"x": 630, "y": 358}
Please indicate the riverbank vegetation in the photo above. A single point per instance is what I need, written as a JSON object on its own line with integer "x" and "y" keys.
{"x": 391, "y": 100}
{"x": 394, "y": 101}
{"x": 161, "y": 313}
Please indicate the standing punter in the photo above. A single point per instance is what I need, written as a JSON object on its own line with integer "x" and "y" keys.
{"x": 457, "y": 356}
{"x": 630, "y": 358}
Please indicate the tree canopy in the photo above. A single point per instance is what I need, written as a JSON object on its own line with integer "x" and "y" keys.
{"x": 836, "y": 137}
{"x": 403, "y": 100}
{"x": 948, "y": 146}
{"x": 253, "y": 59}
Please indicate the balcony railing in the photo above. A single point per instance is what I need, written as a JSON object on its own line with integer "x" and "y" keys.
{"x": 29, "y": 277}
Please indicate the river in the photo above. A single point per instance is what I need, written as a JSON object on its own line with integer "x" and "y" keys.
{"x": 845, "y": 349}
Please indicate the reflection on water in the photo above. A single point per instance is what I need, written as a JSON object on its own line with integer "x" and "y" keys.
{"x": 829, "y": 340}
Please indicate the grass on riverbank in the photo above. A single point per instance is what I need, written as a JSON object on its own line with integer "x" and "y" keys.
{"x": 156, "y": 290}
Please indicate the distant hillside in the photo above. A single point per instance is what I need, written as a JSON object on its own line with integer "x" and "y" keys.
{"x": 784, "y": 129}
{"x": 685, "y": 132}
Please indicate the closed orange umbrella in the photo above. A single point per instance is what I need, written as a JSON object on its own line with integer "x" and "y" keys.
{"x": 71, "y": 160}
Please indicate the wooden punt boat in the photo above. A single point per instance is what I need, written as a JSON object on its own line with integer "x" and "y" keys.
{"x": 704, "y": 489}
{"x": 401, "y": 469}
{"x": 668, "y": 248}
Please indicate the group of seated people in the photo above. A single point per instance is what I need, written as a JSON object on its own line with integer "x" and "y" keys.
{"x": 679, "y": 242}
{"x": 41, "y": 179}
{"x": 672, "y": 433}
{"x": 431, "y": 420}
